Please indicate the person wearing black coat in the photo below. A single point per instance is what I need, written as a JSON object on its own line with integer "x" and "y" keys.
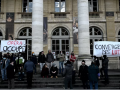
{"x": 54, "y": 71}
{"x": 83, "y": 74}
{"x": 10, "y": 75}
{"x": 105, "y": 68}
{"x": 68, "y": 72}
{"x": 45, "y": 71}
{"x": 96, "y": 61}
{"x": 41, "y": 60}
{"x": 34, "y": 60}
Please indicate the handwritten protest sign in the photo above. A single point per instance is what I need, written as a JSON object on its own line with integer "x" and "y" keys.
{"x": 13, "y": 46}
{"x": 109, "y": 48}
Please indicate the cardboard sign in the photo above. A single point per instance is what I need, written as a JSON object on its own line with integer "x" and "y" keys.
{"x": 109, "y": 48}
{"x": 13, "y": 46}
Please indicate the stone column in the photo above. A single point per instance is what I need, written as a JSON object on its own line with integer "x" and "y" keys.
{"x": 37, "y": 26}
{"x": 83, "y": 32}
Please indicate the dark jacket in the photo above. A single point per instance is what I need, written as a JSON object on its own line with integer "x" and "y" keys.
{"x": 3, "y": 65}
{"x": 83, "y": 72}
{"x": 53, "y": 69}
{"x": 41, "y": 59}
{"x": 68, "y": 71}
{"x": 93, "y": 71}
{"x": 49, "y": 57}
{"x": 10, "y": 72}
{"x": 105, "y": 63}
{"x": 45, "y": 72}
{"x": 97, "y": 62}
{"x": 34, "y": 59}
{"x": 29, "y": 66}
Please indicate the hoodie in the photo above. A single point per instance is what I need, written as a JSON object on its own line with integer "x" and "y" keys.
{"x": 68, "y": 71}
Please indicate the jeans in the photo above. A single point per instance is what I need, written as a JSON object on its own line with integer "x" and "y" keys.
{"x": 49, "y": 65}
{"x": 60, "y": 67}
{"x": 11, "y": 83}
{"x": 29, "y": 79}
{"x": 4, "y": 74}
{"x": 21, "y": 75}
{"x": 93, "y": 83}
{"x": 68, "y": 81}
{"x": 41, "y": 66}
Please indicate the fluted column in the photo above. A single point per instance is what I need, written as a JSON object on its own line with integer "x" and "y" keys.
{"x": 83, "y": 28}
{"x": 83, "y": 33}
{"x": 37, "y": 26}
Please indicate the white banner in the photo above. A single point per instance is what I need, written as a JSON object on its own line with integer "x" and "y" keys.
{"x": 109, "y": 48}
{"x": 13, "y": 46}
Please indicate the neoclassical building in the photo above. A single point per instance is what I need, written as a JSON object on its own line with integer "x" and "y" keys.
{"x": 61, "y": 25}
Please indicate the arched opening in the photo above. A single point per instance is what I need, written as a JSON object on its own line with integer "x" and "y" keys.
{"x": 60, "y": 40}
{"x": 96, "y": 34}
{"x": 26, "y": 34}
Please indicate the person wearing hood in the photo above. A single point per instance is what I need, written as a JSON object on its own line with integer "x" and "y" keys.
{"x": 67, "y": 73}
{"x": 41, "y": 60}
{"x": 4, "y": 64}
{"x": 93, "y": 73}
{"x": 45, "y": 71}
{"x": 34, "y": 60}
{"x": 29, "y": 66}
{"x": 54, "y": 71}
{"x": 49, "y": 59}
{"x": 83, "y": 74}
{"x": 10, "y": 75}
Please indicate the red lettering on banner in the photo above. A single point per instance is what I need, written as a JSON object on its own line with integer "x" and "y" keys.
{"x": 14, "y": 42}
{"x": 115, "y": 52}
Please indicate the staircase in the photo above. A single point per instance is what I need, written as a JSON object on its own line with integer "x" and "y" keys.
{"x": 48, "y": 83}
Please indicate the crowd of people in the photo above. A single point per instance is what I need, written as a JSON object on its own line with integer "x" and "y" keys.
{"x": 89, "y": 75}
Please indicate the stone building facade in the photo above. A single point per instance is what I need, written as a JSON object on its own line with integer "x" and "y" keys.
{"x": 104, "y": 23}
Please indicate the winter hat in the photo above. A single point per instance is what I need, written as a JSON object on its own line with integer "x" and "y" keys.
{"x": 83, "y": 61}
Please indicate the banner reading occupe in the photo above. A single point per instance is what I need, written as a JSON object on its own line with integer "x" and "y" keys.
{"x": 13, "y": 46}
{"x": 109, "y": 48}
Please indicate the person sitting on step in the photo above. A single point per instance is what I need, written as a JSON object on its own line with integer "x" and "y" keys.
{"x": 54, "y": 71}
{"x": 45, "y": 71}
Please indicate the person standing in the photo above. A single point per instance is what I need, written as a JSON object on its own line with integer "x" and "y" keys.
{"x": 61, "y": 58}
{"x": 72, "y": 58}
{"x": 29, "y": 66}
{"x": 68, "y": 74}
{"x": 10, "y": 75}
{"x": 93, "y": 73}
{"x": 105, "y": 68}
{"x": 83, "y": 74}
{"x": 96, "y": 61}
{"x": 41, "y": 60}
{"x": 4, "y": 64}
{"x": 49, "y": 59}
{"x": 34, "y": 60}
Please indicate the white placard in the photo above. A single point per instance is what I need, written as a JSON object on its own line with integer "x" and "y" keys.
{"x": 109, "y": 48}
{"x": 13, "y": 46}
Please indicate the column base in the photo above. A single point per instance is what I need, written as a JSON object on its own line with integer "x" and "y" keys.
{"x": 88, "y": 59}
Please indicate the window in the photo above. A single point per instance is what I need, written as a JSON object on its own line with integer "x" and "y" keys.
{"x": 119, "y": 5}
{"x": 93, "y": 5}
{"x": 95, "y": 35}
{"x": 60, "y": 40}
{"x": 25, "y": 32}
{"x": 27, "y": 5}
{"x": 59, "y": 5}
